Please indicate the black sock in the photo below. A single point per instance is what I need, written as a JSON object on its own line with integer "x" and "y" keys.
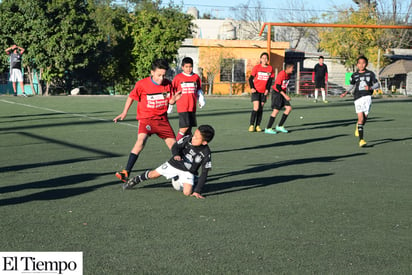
{"x": 283, "y": 119}
{"x": 144, "y": 176}
{"x": 271, "y": 121}
{"x": 259, "y": 116}
{"x": 253, "y": 117}
{"x": 360, "y": 130}
{"x": 130, "y": 163}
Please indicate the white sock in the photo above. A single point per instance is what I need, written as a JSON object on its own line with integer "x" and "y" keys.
{"x": 316, "y": 94}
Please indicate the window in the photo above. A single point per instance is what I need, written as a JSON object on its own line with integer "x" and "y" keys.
{"x": 233, "y": 70}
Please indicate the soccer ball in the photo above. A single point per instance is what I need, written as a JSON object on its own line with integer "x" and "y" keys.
{"x": 75, "y": 91}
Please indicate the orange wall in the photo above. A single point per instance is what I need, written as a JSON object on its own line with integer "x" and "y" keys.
{"x": 212, "y": 51}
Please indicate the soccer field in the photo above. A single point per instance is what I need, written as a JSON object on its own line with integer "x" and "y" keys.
{"x": 307, "y": 202}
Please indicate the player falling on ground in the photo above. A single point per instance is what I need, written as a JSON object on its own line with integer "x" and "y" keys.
{"x": 189, "y": 155}
{"x": 364, "y": 82}
{"x": 189, "y": 84}
{"x": 260, "y": 81}
{"x": 154, "y": 94}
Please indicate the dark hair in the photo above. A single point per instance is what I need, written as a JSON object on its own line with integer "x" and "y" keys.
{"x": 264, "y": 53}
{"x": 160, "y": 64}
{"x": 288, "y": 65}
{"x": 207, "y": 132}
{"x": 321, "y": 57}
{"x": 187, "y": 60}
{"x": 364, "y": 58}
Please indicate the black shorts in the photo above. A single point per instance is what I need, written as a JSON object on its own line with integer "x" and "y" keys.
{"x": 258, "y": 97}
{"x": 319, "y": 83}
{"x": 278, "y": 101}
{"x": 187, "y": 119}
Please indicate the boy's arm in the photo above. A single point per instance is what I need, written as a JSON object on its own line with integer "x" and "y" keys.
{"x": 351, "y": 87}
{"x": 21, "y": 49}
{"x": 251, "y": 84}
{"x": 10, "y": 49}
{"x": 282, "y": 91}
{"x": 269, "y": 83}
{"x": 200, "y": 183}
{"x": 127, "y": 105}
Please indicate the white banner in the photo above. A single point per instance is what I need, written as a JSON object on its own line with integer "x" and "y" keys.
{"x": 61, "y": 263}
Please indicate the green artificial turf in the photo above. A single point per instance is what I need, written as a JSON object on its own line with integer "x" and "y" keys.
{"x": 307, "y": 202}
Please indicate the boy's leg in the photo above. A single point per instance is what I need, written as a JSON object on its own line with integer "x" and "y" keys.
{"x": 361, "y": 123}
{"x": 259, "y": 116}
{"x": 14, "y": 88}
{"x": 323, "y": 95}
{"x": 133, "y": 156}
{"x": 169, "y": 142}
{"x": 187, "y": 189}
{"x": 316, "y": 94}
{"x": 181, "y": 133}
{"x": 285, "y": 115}
{"x": 22, "y": 88}
{"x": 253, "y": 115}
{"x": 268, "y": 129}
{"x": 144, "y": 176}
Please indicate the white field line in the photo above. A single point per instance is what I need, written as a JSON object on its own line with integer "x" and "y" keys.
{"x": 62, "y": 112}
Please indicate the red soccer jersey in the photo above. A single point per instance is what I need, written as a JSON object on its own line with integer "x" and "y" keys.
{"x": 283, "y": 80}
{"x": 153, "y": 98}
{"x": 189, "y": 85}
{"x": 261, "y": 76}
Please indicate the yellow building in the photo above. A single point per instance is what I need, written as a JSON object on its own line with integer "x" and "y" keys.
{"x": 230, "y": 62}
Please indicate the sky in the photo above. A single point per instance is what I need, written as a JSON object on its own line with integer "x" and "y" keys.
{"x": 221, "y": 8}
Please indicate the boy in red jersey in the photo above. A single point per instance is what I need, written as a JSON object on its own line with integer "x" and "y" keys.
{"x": 154, "y": 95}
{"x": 189, "y": 84}
{"x": 260, "y": 81}
{"x": 279, "y": 100}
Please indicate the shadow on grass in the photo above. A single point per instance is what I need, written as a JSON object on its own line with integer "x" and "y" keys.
{"x": 373, "y": 143}
{"x": 256, "y": 182}
{"x": 47, "y": 116}
{"x": 20, "y": 167}
{"x": 333, "y": 123}
{"x": 279, "y": 144}
{"x": 242, "y": 185}
{"x": 55, "y": 193}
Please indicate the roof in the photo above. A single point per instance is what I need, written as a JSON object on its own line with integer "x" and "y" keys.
{"x": 398, "y": 67}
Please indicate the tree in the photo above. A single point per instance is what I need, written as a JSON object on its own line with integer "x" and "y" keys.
{"x": 59, "y": 36}
{"x": 157, "y": 32}
{"x": 251, "y": 16}
{"x": 395, "y": 12}
{"x": 353, "y": 42}
{"x": 113, "y": 55}
{"x": 349, "y": 43}
{"x": 296, "y": 11}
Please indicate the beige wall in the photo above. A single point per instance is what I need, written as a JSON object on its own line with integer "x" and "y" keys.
{"x": 211, "y": 52}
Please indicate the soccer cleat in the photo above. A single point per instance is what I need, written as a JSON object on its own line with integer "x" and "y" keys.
{"x": 325, "y": 101}
{"x": 123, "y": 175}
{"x": 315, "y": 101}
{"x": 281, "y": 129}
{"x": 251, "y": 128}
{"x": 270, "y": 131}
{"x": 356, "y": 130}
{"x": 24, "y": 95}
{"x": 362, "y": 143}
{"x": 130, "y": 183}
{"x": 258, "y": 129}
